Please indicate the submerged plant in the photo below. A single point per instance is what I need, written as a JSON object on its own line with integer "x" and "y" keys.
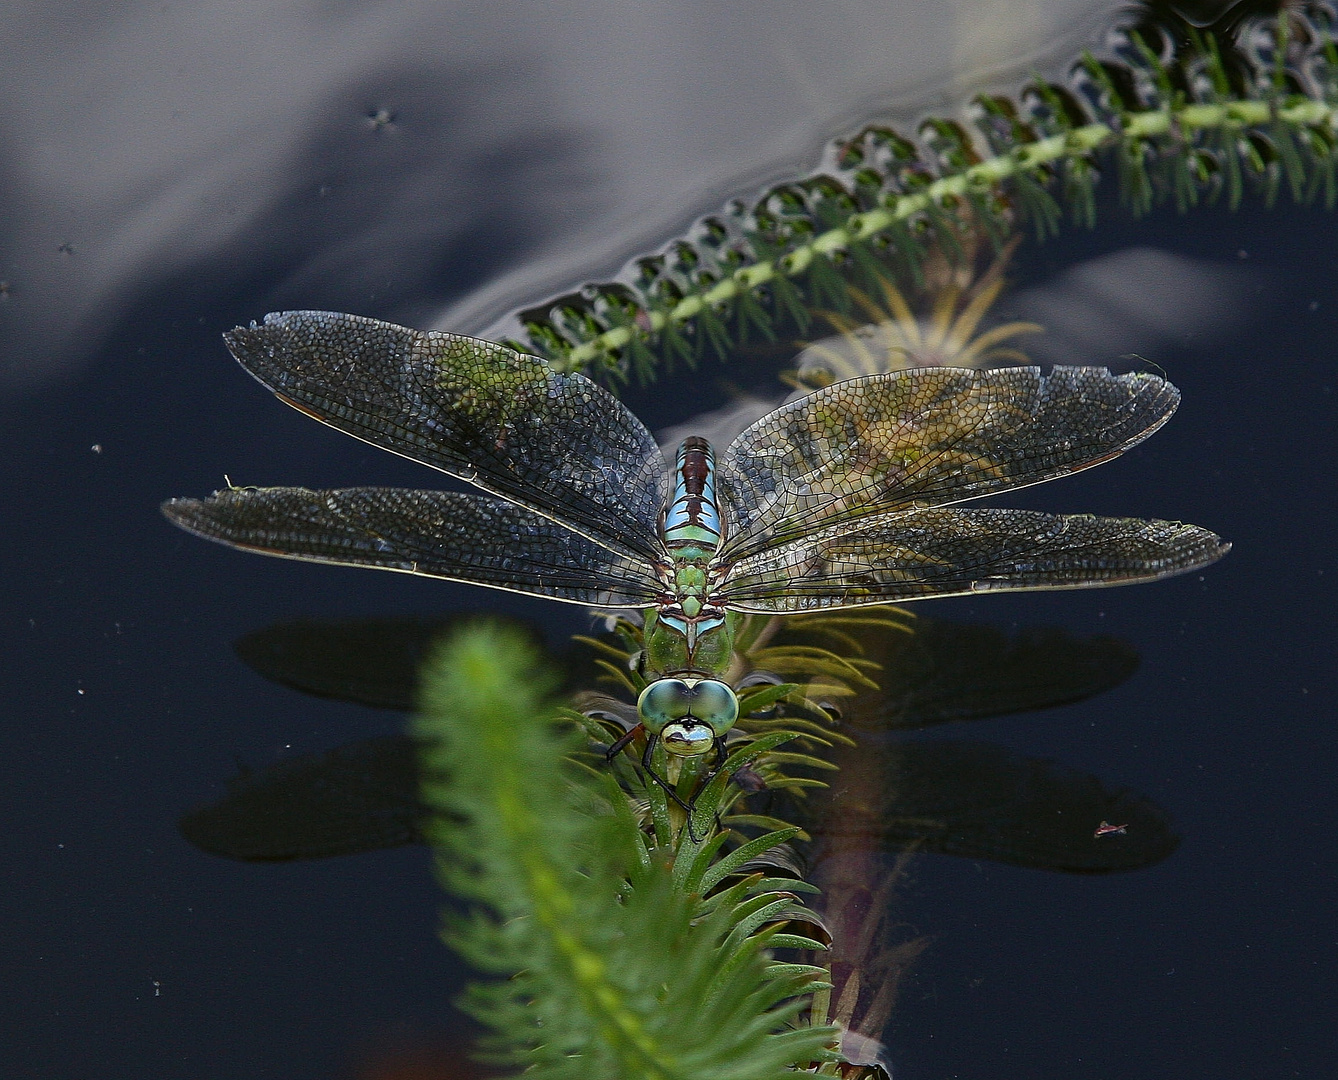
{"x": 613, "y": 957}
{"x": 787, "y": 695}
{"x": 628, "y": 949}
{"x": 878, "y": 670}
{"x": 1204, "y": 123}
{"x": 887, "y": 335}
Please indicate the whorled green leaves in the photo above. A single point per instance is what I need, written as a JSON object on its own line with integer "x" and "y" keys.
{"x": 607, "y": 963}
{"x": 1218, "y": 117}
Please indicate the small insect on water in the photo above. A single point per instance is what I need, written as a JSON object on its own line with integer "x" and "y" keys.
{"x": 380, "y": 119}
{"x": 844, "y": 498}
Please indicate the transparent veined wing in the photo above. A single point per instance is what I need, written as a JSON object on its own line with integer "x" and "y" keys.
{"x": 950, "y": 551}
{"x": 501, "y": 420}
{"x": 436, "y": 534}
{"x": 926, "y": 438}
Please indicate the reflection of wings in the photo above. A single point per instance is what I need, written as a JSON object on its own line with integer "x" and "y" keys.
{"x": 931, "y": 671}
{"x": 926, "y": 438}
{"x": 371, "y": 661}
{"x": 948, "y": 552}
{"x": 985, "y": 802}
{"x": 433, "y": 533}
{"x": 359, "y": 797}
{"x": 374, "y": 661}
{"x": 499, "y": 419}
{"x": 965, "y": 799}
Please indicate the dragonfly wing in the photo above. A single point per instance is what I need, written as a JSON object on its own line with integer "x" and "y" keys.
{"x": 925, "y": 438}
{"x": 501, "y": 420}
{"x": 437, "y": 534}
{"x": 952, "y": 552}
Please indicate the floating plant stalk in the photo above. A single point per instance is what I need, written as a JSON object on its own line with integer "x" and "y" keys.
{"x": 1178, "y": 128}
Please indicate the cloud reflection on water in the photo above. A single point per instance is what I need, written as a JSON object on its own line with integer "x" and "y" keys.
{"x": 211, "y": 150}
{"x": 1136, "y": 301}
{"x": 1111, "y": 311}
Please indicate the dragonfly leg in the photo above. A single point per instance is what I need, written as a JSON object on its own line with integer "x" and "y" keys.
{"x": 621, "y": 745}
{"x": 691, "y": 804}
{"x": 720, "y": 757}
{"x": 689, "y": 807}
{"x": 651, "y": 743}
{"x": 719, "y": 764}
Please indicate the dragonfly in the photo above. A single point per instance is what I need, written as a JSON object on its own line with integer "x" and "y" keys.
{"x": 843, "y": 498}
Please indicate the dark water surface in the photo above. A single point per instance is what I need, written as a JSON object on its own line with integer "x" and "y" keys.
{"x": 127, "y": 953}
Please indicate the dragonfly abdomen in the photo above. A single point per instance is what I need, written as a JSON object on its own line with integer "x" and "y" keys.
{"x": 692, "y": 518}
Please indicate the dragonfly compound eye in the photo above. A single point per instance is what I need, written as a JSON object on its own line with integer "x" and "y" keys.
{"x": 688, "y": 703}
{"x": 717, "y": 706}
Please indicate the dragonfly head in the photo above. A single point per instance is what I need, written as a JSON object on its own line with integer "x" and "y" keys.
{"x": 688, "y": 714}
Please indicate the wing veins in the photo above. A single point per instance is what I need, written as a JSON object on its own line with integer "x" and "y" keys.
{"x": 952, "y": 552}
{"x": 473, "y": 539}
{"x": 1012, "y": 414}
{"x": 380, "y": 397}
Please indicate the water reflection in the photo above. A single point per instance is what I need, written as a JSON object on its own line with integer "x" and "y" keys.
{"x": 228, "y": 146}
{"x": 1114, "y": 309}
{"x": 892, "y": 798}
{"x": 1138, "y": 301}
{"x": 883, "y": 333}
{"x": 960, "y": 798}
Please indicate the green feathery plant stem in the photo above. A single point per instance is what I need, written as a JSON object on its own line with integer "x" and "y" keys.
{"x": 783, "y": 725}
{"x": 1175, "y": 127}
{"x": 612, "y": 958}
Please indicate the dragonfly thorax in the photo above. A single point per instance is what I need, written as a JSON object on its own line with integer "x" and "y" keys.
{"x": 677, "y": 643}
{"x": 689, "y": 587}
{"x": 686, "y": 705}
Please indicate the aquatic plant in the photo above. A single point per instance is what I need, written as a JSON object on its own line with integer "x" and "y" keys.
{"x": 626, "y": 944}
{"x": 880, "y": 669}
{"x": 1203, "y": 118}
{"x": 598, "y": 917}
{"x": 788, "y": 694}
{"x": 884, "y": 333}
{"x": 613, "y": 957}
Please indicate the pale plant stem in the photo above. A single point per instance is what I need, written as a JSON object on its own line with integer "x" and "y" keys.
{"x": 985, "y": 174}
